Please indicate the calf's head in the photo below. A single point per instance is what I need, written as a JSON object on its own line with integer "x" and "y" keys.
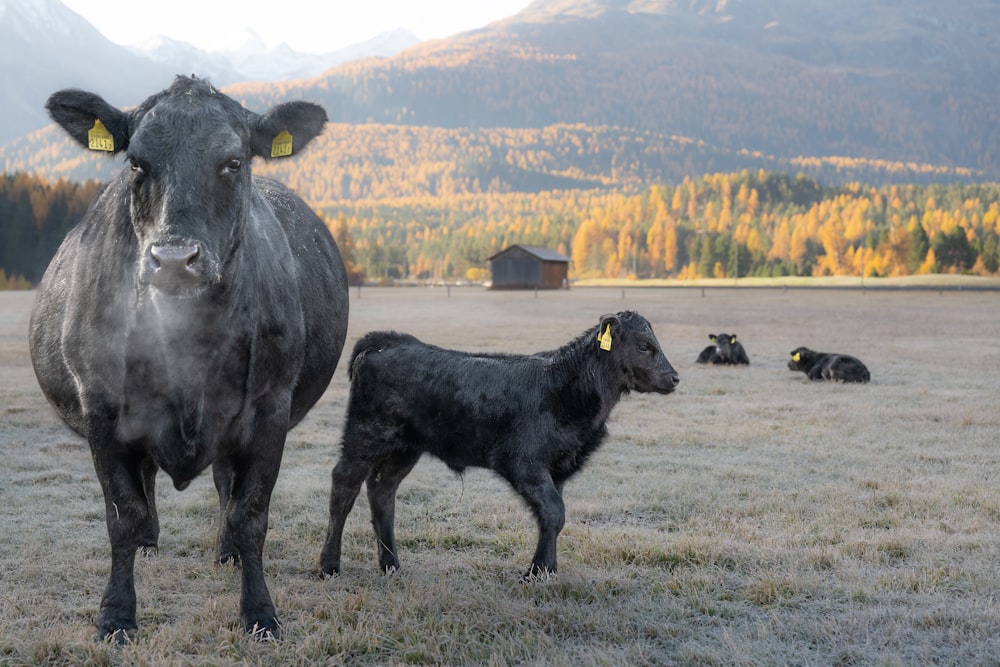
{"x": 802, "y": 359}
{"x": 634, "y": 350}
{"x": 723, "y": 345}
{"x": 189, "y": 150}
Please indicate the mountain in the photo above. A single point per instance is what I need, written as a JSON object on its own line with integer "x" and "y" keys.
{"x": 45, "y": 46}
{"x": 250, "y": 59}
{"x": 879, "y": 90}
{"x": 911, "y": 81}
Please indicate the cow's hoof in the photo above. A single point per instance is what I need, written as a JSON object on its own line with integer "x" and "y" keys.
{"x": 229, "y": 559}
{"x": 116, "y": 636}
{"x": 265, "y": 631}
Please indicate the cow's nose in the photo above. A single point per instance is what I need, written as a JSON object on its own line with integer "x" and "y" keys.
{"x": 173, "y": 265}
{"x": 173, "y": 259}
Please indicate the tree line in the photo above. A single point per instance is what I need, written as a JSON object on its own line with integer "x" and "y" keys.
{"x": 727, "y": 225}
{"x": 719, "y": 226}
{"x": 35, "y": 216}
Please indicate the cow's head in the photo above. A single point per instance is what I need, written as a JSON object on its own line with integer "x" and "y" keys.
{"x": 189, "y": 150}
{"x": 723, "y": 345}
{"x": 629, "y": 340}
{"x": 802, "y": 359}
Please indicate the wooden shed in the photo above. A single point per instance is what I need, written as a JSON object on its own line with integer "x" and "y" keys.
{"x": 529, "y": 267}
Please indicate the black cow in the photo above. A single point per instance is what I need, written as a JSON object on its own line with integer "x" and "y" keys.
{"x": 191, "y": 319}
{"x": 724, "y": 350}
{"x": 828, "y": 366}
{"x": 534, "y": 420}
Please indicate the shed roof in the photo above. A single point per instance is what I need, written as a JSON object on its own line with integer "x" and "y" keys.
{"x": 542, "y": 253}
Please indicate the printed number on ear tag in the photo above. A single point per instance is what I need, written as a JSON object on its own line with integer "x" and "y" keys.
{"x": 282, "y": 145}
{"x": 99, "y": 139}
{"x": 606, "y": 339}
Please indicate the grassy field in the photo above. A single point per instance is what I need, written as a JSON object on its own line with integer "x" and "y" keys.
{"x": 751, "y": 518}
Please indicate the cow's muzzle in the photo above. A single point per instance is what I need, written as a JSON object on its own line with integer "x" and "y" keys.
{"x": 175, "y": 268}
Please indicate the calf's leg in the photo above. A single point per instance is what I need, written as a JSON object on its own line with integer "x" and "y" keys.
{"x": 546, "y": 503}
{"x": 347, "y": 477}
{"x": 382, "y": 483}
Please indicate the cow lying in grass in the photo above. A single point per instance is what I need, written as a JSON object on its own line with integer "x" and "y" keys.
{"x": 828, "y": 366}
{"x": 532, "y": 419}
{"x": 725, "y": 350}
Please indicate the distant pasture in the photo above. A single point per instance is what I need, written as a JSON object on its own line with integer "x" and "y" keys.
{"x": 752, "y": 517}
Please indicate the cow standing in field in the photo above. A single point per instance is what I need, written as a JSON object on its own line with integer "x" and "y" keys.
{"x": 190, "y": 320}
{"x": 532, "y": 419}
{"x": 828, "y": 366}
{"x": 725, "y": 350}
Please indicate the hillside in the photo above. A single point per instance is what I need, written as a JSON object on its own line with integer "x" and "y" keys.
{"x": 879, "y": 83}
{"x": 901, "y": 81}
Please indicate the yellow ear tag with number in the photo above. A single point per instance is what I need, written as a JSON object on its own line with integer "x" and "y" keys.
{"x": 99, "y": 139}
{"x": 282, "y": 144}
{"x": 606, "y": 339}
{"x": 796, "y": 356}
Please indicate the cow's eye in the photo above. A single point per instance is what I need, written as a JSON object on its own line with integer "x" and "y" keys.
{"x": 232, "y": 167}
{"x": 136, "y": 167}
{"x": 645, "y": 347}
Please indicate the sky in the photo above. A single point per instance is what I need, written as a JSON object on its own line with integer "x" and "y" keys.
{"x": 305, "y": 25}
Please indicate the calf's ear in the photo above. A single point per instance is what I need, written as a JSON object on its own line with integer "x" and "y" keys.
{"x": 286, "y": 129}
{"x": 89, "y": 120}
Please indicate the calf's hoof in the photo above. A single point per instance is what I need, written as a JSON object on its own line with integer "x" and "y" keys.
{"x": 538, "y": 573}
{"x": 116, "y": 636}
{"x": 264, "y": 630}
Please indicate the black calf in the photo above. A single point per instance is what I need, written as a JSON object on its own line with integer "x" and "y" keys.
{"x": 828, "y": 366}
{"x": 725, "y": 350}
{"x": 532, "y": 419}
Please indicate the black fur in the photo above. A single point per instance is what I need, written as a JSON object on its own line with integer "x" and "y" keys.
{"x": 532, "y": 419}
{"x": 191, "y": 319}
{"x": 725, "y": 350}
{"x": 828, "y": 366}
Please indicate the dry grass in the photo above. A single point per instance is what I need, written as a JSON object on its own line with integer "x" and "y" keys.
{"x": 751, "y": 518}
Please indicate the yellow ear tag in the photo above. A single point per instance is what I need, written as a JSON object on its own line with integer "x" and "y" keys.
{"x": 796, "y": 356}
{"x": 99, "y": 139}
{"x": 282, "y": 145}
{"x": 606, "y": 339}
{"x": 732, "y": 340}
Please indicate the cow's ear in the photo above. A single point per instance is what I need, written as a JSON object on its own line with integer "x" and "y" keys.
{"x": 607, "y": 331}
{"x": 286, "y": 129}
{"x": 732, "y": 339}
{"x": 711, "y": 337}
{"x": 89, "y": 120}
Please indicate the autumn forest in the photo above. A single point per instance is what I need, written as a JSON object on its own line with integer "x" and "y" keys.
{"x": 722, "y": 225}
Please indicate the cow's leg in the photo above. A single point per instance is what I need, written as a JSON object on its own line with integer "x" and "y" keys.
{"x": 347, "y": 477}
{"x": 222, "y": 475}
{"x": 255, "y": 473}
{"x": 150, "y": 541}
{"x": 127, "y": 514}
{"x": 382, "y": 483}
{"x": 546, "y": 503}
